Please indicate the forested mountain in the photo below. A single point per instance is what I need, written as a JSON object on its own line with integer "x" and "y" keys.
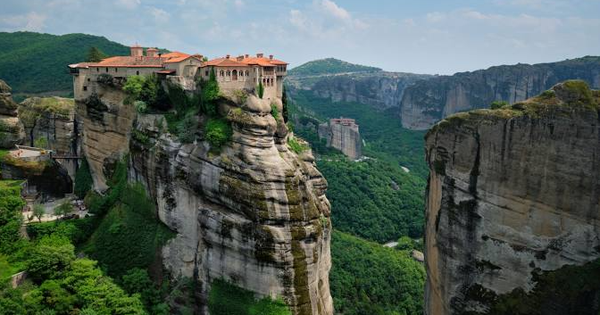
{"x": 329, "y": 66}
{"x": 37, "y": 63}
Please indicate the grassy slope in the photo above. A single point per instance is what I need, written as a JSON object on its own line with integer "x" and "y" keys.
{"x": 35, "y": 63}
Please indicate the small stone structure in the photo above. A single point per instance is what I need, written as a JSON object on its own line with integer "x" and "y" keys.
{"x": 342, "y": 134}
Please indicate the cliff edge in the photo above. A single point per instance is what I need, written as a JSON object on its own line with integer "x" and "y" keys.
{"x": 252, "y": 212}
{"x": 513, "y": 215}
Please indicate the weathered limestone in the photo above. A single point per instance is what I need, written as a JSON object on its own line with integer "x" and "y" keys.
{"x": 428, "y": 101}
{"x": 342, "y": 134}
{"x": 107, "y": 123}
{"x": 253, "y": 213}
{"x": 512, "y": 192}
{"x": 11, "y": 130}
{"x": 51, "y": 121}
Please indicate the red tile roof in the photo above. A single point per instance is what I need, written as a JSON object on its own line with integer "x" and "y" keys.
{"x": 138, "y": 61}
{"x": 244, "y": 62}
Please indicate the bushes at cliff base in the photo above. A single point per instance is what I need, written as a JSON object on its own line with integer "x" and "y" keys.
{"x": 226, "y": 299}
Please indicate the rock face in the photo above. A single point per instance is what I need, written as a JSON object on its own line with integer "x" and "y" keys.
{"x": 106, "y": 125}
{"x": 342, "y": 134}
{"x": 514, "y": 194}
{"x": 428, "y": 101}
{"x": 379, "y": 89}
{"x": 253, "y": 213}
{"x": 50, "y": 122}
{"x": 11, "y": 130}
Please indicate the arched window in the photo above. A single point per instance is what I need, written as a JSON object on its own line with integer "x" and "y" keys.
{"x": 222, "y": 73}
{"x": 247, "y": 73}
{"x": 107, "y": 70}
{"x": 228, "y": 73}
{"x": 234, "y": 75}
{"x": 241, "y": 73}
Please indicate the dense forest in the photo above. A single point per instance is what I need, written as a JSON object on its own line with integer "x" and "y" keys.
{"x": 367, "y": 278}
{"x": 374, "y": 199}
{"x": 37, "y": 63}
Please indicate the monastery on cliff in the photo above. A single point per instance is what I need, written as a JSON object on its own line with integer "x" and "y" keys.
{"x": 232, "y": 73}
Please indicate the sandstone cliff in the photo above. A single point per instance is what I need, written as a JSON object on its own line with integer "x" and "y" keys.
{"x": 50, "y": 122}
{"x": 342, "y": 136}
{"x": 253, "y": 212}
{"x": 11, "y": 130}
{"x": 341, "y": 81}
{"x": 513, "y": 205}
{"x": 428, "y": 101}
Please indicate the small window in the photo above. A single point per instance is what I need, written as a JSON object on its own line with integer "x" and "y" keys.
{"x": 206, "y": 73}
{"x": 106, "y": 70}
{"x": 222, "y": 73}
{"x": 97, "y": 69}
{"x": 88, "y": 79}
{"x": 85, "y": 88}
{"x": 228, "y": 73}
{"x": 137, "y": 73}
{"x": 247, "y": 73}
{"x": 116, "y": 69}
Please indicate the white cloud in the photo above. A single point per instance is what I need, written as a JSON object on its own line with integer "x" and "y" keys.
{"x": 333, "y": 9}
{"x": 160, "y": 15}
{"x": 31, "y": 21}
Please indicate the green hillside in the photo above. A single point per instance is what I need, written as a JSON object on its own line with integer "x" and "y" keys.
{"x": 329, "y": 66}
{"x": 37, "y": 63}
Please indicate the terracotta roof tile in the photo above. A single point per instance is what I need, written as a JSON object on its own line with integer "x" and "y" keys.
{"x": 243, "y": 62}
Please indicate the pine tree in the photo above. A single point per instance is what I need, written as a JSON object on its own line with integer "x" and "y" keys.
{"x": 95, "y": 55}
{"x": 285, "y": 105}
{"x": 261, "y": 89}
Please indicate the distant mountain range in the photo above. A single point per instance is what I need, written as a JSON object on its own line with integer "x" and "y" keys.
{"x": 421, "y": 100}
{"x": 34, "y": 63}
{"x": 37, "y": 63}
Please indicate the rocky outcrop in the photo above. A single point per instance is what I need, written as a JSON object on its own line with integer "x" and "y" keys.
{"x": 513, "y": 205}
{"x": 428, "y": 101}
{"x": 342, "y": 134}
{"x": 252, "y": 212}
{"x": 381, "y": 90}
{"x": 50, "y": 123}
{"x": 11, "y": 130}
{"x": 107, "y": 124}
{"x": 371, "y": 86}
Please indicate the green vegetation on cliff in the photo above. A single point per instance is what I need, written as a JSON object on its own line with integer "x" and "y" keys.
{"x": 33, "y": 62}
{"x": 58, "y": 282}
{"x": 367, "y": 278}
{"x": 329, "y": 66}
{"x": 226, "y": 299}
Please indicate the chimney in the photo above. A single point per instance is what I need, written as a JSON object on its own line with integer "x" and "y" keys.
{"x": 246, "y": 56}
{"x": 271, "y": 57}
{"x": 228, "y": 56}
{"x": 240, "y": 58}
{"x": 151, "y": 52}
{"x": 136, "y": 51}
{"x": 259, "y": 55}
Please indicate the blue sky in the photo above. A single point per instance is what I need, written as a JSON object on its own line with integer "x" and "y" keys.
{"x": 422, "y": 36}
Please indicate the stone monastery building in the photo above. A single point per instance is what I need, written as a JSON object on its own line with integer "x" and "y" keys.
{"x": 239, "y": 73}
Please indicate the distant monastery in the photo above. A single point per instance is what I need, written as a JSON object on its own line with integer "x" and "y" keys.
{"x": 232, "y": 73}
